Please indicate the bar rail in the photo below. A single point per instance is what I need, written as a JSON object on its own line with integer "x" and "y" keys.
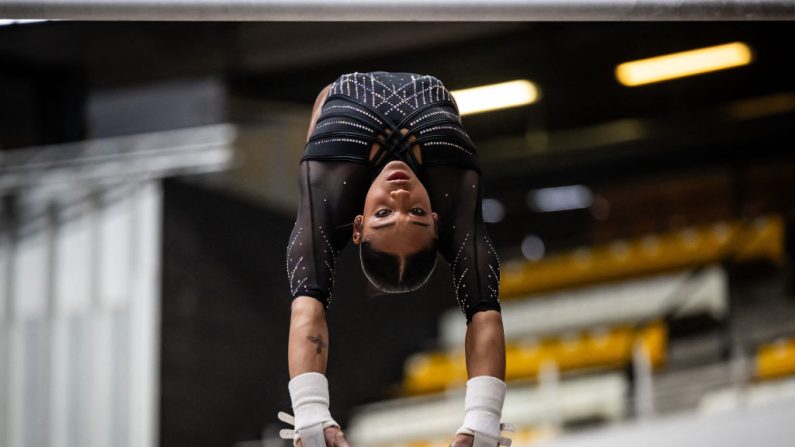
{"x": 398, "y": 10}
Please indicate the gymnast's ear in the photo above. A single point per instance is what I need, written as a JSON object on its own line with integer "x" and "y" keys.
{"x": 435, "y": 224}
{"x": 357, "y": 229}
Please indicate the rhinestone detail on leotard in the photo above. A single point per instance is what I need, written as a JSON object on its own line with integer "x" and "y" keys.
{"x": 296, "y": 284}
{"x": 403, "y": 98}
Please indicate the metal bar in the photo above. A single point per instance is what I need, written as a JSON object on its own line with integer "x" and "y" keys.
{"x": 401, "y": 10}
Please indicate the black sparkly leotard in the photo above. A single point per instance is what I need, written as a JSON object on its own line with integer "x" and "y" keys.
{"x": 336, "y": 172}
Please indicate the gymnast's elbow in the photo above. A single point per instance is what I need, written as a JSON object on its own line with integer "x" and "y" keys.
{"x": 307, "y": 307}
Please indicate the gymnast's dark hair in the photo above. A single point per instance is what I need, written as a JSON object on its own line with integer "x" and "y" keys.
{"x": 394, "y": 273}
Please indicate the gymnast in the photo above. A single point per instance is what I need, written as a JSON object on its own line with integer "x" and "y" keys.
{"x": 387, "y": 152}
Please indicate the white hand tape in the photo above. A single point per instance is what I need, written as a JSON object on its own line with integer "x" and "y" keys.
{"x": 310, "y": 398}
{"x": 484, "y": 400}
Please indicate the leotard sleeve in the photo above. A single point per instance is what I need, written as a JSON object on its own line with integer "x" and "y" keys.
{"x": 331, "y": 195}
{"x": 456, "y": 195}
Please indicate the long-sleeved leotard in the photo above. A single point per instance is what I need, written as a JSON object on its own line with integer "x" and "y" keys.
{"x": 336, "y": 173}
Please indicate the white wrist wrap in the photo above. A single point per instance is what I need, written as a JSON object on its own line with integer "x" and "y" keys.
{"x": 310, "y": 397}
{"x": 485, "y": 397}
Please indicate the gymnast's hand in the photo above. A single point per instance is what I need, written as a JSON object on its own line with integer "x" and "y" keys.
{"x": 462, "y": 440}
{"x": 335, "y": 438}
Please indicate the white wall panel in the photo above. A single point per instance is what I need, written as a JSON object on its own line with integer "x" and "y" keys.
{"x": 5, "y": 255}
{"x": 80, "y": 291}
{"x": 78, "y": 418}
{"x": 120, "y": 378}
{"x": 34, "y": 384}
{"x": 15, "y": 374}
{"x": 5, "y": 330}
{"x": 145, "y": 316}
{"x": 115, "y": 233}
{"x": 29, "y": 280}
{"x": 73, "y": 256}
{"x": 79, "y": 284}
{"x": 59, "y": 361}
{"x": 4, "y": 373}
{"x": 101, "y": 368}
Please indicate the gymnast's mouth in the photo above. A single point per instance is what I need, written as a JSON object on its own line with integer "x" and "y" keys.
{"x": 397, "y": 175}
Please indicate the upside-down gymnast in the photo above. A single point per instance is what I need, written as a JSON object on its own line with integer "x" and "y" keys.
{"x": 388, "y": 153}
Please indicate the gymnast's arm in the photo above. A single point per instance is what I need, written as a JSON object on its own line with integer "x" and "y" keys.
{"x": 456, "y": 195}
{"x": 485, "y": 345}
{"x": 307, "y": 349}
{"x": 308, "y": 341}
{"x": 331, "y": 195}
{"x": 485, "y": 355}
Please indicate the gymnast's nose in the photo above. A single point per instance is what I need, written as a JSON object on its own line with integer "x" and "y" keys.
{"x": 400, "y": 195}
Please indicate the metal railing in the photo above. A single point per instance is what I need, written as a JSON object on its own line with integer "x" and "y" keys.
{"x": 119, "y": 159}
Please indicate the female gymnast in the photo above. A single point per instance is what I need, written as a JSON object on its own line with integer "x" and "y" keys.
{"x": 387, "y": 152}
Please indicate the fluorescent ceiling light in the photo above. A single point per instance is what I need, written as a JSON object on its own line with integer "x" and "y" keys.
{"x": 687, "y": 63}
{"x": 495, "y": 96}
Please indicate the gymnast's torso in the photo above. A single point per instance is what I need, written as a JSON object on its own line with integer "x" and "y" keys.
{"x": 367, "y": 120}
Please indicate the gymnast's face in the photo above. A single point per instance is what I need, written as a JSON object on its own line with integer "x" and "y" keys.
{"x": 397, "y": 215}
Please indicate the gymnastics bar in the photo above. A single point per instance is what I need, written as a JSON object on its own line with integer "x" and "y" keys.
{"x": 402, "y": 10}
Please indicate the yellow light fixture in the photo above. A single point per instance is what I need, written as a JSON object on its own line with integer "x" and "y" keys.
{"x": 686, "y": 63}
{"x": 495, "y": 96}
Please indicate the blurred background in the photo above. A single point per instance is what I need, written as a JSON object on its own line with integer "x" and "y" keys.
{"x": 644, "y": 225}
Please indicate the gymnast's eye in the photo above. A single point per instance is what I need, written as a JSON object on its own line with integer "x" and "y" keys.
{"x": 417, "y": 211}
{"x": 382, "y": 212}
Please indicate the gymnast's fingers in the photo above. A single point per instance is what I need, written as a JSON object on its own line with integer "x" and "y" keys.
{"x": 336, "y": 438}
{"x": 462, "y": 440}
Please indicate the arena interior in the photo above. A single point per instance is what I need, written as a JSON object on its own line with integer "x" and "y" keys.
{"x": 643, "y": 209}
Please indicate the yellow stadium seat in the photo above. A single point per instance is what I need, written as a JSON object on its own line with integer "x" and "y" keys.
{"x": 436, "y": 371}
{"x": 776, "y": 359}
{"x": 762, "y": 238}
